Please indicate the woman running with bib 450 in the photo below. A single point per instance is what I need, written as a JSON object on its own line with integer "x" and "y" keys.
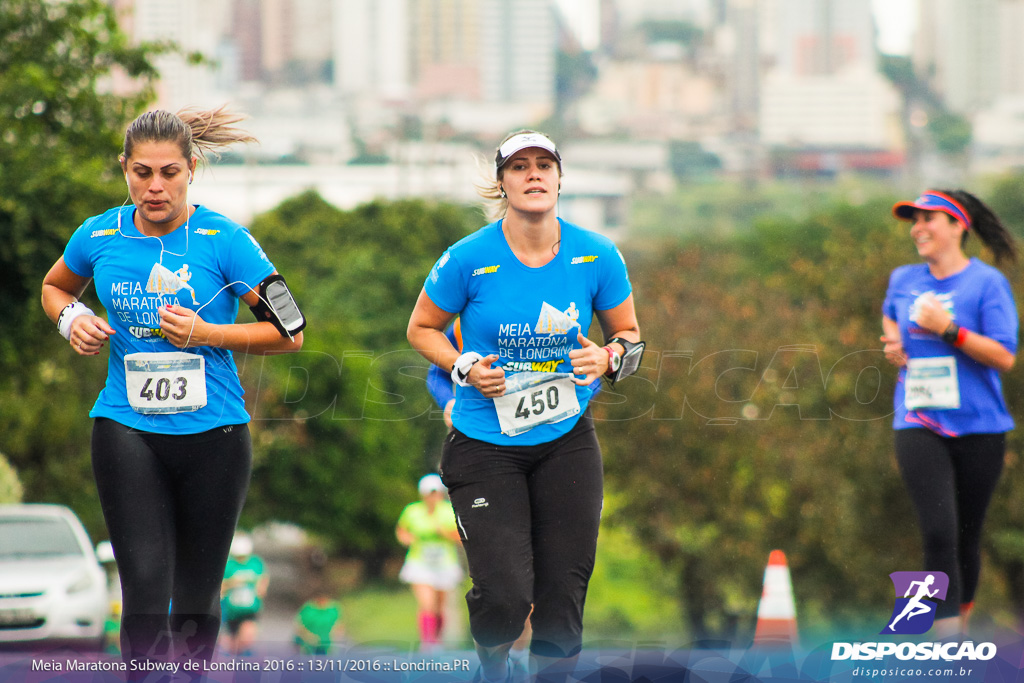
{"x": 522, "y": 464}
{"x": 951, "y": 326}
{"x": 170, "y": 446}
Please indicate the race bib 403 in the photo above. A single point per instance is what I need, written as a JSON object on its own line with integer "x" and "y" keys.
{"x": 165, "y": 383}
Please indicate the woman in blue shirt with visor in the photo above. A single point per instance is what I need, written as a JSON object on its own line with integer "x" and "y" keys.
{"x": 950, "y": 325}
{"x": 522, "y": 463}
{"x": 170, "y": 446}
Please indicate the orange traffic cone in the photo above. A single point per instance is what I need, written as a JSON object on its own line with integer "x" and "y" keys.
{"x": 776, "y": 613}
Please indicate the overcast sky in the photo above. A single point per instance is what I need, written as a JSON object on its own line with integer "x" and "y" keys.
{"x": 896, "y": 21}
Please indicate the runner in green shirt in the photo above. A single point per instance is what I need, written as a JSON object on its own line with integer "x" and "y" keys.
{"x": 429, "y": 529}
{"x": 242, "y": 593}
{"x": 318, "y": 624}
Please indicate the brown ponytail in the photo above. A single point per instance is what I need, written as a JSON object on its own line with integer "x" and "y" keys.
{"x": 196, "y": 132}
{"x": 984, "y": 222}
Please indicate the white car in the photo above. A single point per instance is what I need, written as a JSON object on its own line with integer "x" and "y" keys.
{"x": 52, "y": 588}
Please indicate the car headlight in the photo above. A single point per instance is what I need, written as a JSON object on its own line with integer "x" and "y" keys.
{"x": 83, "y": 582}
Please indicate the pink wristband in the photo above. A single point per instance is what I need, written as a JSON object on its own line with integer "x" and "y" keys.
{"x": 611, "y": 357}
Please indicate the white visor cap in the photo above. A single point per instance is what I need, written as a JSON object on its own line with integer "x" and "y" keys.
{"x": 241, "y": 545}
{"x": 522, "y": 141}
{"x": 431, "y": 483}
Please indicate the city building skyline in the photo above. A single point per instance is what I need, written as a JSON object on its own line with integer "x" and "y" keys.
{"x": 329, "y": 81}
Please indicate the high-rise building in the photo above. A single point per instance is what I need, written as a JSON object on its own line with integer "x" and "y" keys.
{"x": 742, "y": 26}
{"x": 245, "y": 37}
{"x": 960, "y": 52}
{"x": 446, "y": 49}
{"x": 998, "y": 114}
{"x": 489, "y": 51}
{"x": 823, "y": 89}
{"x": 1011, "y": 48}
{"x": 372, "y": 47}
{"x": 517, "y": 51}
{"x": 295, "y": 39}
{"x": 823, "y": 37}
{"x": 195, "y": 26}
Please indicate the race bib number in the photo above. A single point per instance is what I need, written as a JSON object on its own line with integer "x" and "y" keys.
{"x": 535, "y": 398}
{"x": 243, "y": 597}
{"x": 165, "y": 383}
{"x": 931, "y": 383}
{"x": 434, "y": 554}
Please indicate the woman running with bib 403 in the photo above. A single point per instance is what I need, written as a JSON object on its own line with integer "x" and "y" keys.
{"x": 170, "y": 445}
{"x": 951, "y": 324}
{"x": 522, "y": 464}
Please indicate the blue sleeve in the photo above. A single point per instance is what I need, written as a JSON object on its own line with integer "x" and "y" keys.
{"x": 889, "y": 306}
{"x": 245, "y": 262}
{"x": 76, "y": 253}
{"x": 613, "y": 287}
{"x": 446, "y": 285}
{"x": 439, "y": 382}
{"x": 999, "y": 314}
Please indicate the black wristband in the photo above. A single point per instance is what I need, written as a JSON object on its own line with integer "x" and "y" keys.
{"x": 951, "y": 334}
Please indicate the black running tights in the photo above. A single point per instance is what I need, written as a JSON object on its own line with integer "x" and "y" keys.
{"x": 951, "y": 481}
{"x": 171, "y": 503}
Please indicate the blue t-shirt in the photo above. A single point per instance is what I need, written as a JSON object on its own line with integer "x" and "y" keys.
{"x": 980, "y": 300}
{"x": 529, "y": 317}
{"x": 134, "y": 275}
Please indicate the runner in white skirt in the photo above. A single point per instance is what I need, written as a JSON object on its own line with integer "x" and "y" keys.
{"x": 428, "y": 528}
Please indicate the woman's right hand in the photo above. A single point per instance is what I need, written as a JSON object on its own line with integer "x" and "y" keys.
{"x": 88, "y": 334}
{"x": 893, "y": 350}
{"x": 487, "y": 380}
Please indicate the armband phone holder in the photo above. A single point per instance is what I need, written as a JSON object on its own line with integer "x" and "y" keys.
{"x": 634, "y": 353}
{"x": 278, "y": 307}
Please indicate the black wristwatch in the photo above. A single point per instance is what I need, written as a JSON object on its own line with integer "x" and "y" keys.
{"x": 951, "y": 334}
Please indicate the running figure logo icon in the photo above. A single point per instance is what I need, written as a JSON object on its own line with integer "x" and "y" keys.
{"x": 914, "y": 612}
{"x": 164, "y": 281}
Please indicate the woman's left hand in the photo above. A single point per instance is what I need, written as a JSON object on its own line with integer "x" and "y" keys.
{"x": 183, "y": 327}
{"x": 591, "y": 361}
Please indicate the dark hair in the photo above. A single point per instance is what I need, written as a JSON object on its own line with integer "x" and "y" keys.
{"x": 984, "y": 222}
{"x": 195, "y": 132}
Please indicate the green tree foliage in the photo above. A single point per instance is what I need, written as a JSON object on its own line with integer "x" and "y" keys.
{"x": 59, "y": 139}
{"x": 668, "y": 31}
{"x": 689, "y": 159}
{"x": 762, "y": 420}
{"x": 1005, "y": 543}
{"x": 10, "y": 487}
{"x": 60, "y": 135}
{"x": 345, "y": 428}
{"x": 951, "y": 132}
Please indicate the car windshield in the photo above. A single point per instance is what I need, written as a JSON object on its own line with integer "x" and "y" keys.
{"x": 22, "y": 537}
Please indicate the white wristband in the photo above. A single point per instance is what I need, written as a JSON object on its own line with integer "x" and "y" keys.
{"x": 70, "y": 312}
{"x": 460, "y": 371}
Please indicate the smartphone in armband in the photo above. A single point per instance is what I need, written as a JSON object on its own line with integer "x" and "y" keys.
{"x": 634, "y": 353}
{"x": 277, "y": 306}
{"x": 284, "y": 306}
